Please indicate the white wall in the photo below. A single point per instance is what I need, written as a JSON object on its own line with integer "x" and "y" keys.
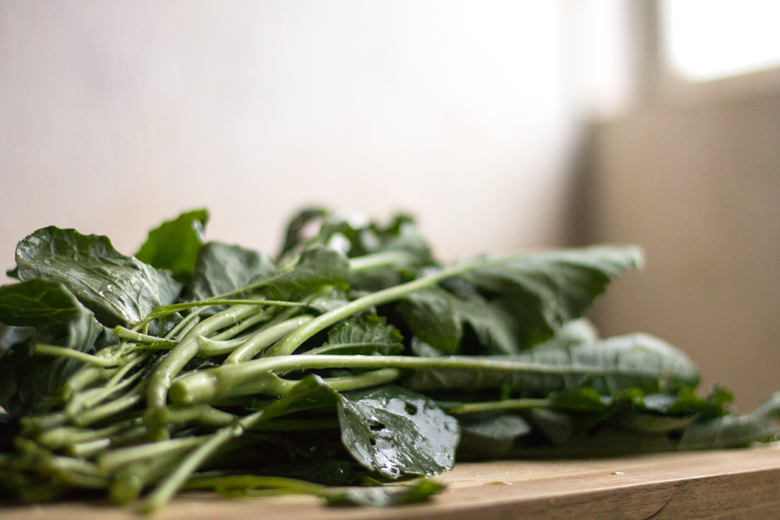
{"x": 117, "y": 115}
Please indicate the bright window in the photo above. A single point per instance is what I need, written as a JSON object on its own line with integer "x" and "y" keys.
{"x": 704, "y": 40}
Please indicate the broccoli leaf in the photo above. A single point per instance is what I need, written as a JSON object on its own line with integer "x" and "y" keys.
{"x": 222, "y": 268}
{"x": 397, "y": 432}
{"x": 174, "y": 245}
{"x": 609, "y": 366}
{"x": 546, "y": 290}
{"x": 120, "y": 290}
{"x": 430, "y": 315}
{"x": 316, "y": 268}
{"x": 31, "y": 382}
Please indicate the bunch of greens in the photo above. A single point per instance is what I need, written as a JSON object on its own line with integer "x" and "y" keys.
{"x": 351, "y": 359}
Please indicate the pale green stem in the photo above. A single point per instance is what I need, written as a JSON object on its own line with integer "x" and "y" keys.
{"x": 266, "y": 338}
{"x": 240, "y": 327}
{"x": 507, "y": 404}
{"x": 193, "y": 461}
{"x": 210, "y": 384}
{"x": 113, "y": 460}
{"x": 122, "y": 332}
{"x": 122, "y": 404}
{"x": 51, "y": 350}
{"x": 174, "y": 361}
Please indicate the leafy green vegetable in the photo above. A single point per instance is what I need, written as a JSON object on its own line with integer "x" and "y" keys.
{"x": 120, "y": 290}
{"x": 48, "y": 306}
{"x": 354, "y": 358}
{"x": 174, "y": 245}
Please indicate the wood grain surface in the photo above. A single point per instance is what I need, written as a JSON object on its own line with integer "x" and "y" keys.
{"x": 739, "y": 484}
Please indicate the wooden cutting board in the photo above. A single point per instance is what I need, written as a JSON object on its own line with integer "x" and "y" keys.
{"x": 739, "y": 484}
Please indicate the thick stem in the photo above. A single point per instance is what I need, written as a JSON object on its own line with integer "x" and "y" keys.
{"x": 266, "y": 338}
{"x": 194, "y": 460}
{"x": 492, "y": 406}
{"x": 207, "y": 385}
{"x": 181, "y": 354}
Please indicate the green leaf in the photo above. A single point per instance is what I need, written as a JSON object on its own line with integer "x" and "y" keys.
{"x": 384, "y": 496}
{"x": 120, "y": 290}
{"x": 294, "y": 237}
{"x": 489, "y": 435}
{"x": 556, "y": 426}
{"x": 310, "y": 393}
{"x": 31, "y": 382}
{"x": 222, "y": 268}
{"x": 619, "y": 363}
{"x": 550, "y": 289}
{"x": 365, "y": 334}
{"x": 174, "y": 245}
{"x": 431, "y": 317}
{"x": 580, "y": 400}
{"x": 401, "y": 234}
{"x": 316, "y": 268}
{"x": 730, "y": 431}
{"x": 397, "y": 432}
{"x": 48, "y": 306}
{"x": 492, "y": 324}
{"x": 354, "y": 236}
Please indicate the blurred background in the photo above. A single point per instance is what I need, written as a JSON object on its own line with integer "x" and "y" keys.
{"x": 501, "y": 124}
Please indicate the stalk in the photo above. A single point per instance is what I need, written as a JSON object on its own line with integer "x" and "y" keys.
{"x": 181, "y": 354}
{"x": 258, "y": 376}
{"x": 266, "y": 338}
{"x": 493, "y": 406}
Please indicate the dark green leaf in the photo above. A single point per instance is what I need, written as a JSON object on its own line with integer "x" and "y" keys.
{"x": 316, "y": 268}
{"x": 354, "y": 236}
{"x": 489, "y": 434}
{"x": 385, "y": 496}
{"x": 329, "y": 299}
{"x": 397, "y": 432}
{"x": 48, "y": 306}
{"x": 580, "y": 400}
{"x": 493, "y": 325}
{"x": 222, "y": 268}
{"x": 295, "y": 237}
{"x": 431, "y": 317}
{"x": 365, "y": 334}
{"x": 550, "y": 289}
{"x": 31, "y": 382}
{"x": 556, "y": 426}
{"x": 174, "y": 245}
{"x": 619, "y": 363}
{"x": 730, "y": 431}
{"x": 402, "y": 235}
{"x": 120, "y": 290}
